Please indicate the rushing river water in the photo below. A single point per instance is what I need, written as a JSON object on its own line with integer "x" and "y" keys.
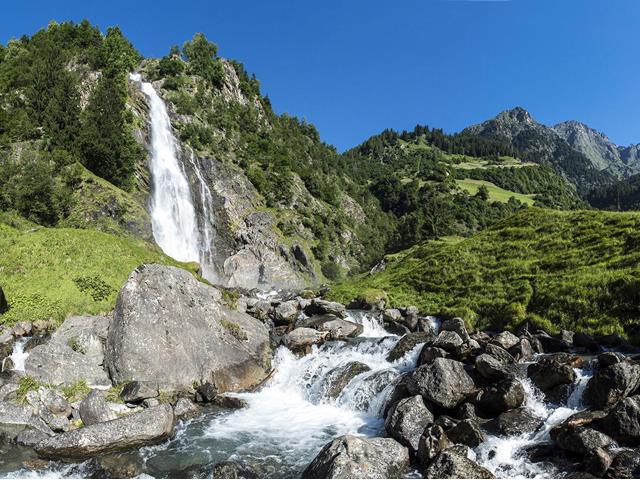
{"x": 288, "y": 421}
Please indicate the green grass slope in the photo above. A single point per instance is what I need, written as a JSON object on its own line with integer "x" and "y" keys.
{"x": 496, "y": 194}
{"x": 578, "y": 270}
{"x": 50, "y": 273}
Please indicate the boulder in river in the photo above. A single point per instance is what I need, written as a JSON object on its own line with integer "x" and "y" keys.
{"x": 336, "y": 328}
{"x": 451, "y": 464}
{"x": 338, "y": 378}
{"x": 515, "y": 422}
{"x": 408, "y": 343}
{"x": 301, "y": 339}
{"x": 443, "y": 382}
{"x": 622, "y": 422}
{"x": 447, "y": 340}
{"x": 579, "y": 439}
{"x": 611, "y": 384}
{"x": 287, "y": 312}
{"x": 358, "y": 457}
{"x": 152, "y": 425}
{"x": 505, "y": 340}
{"x": 466, "y": 432}
{"x": 319, "y": 306}
{"x": 172, "y": 329}
{"x": 493, "y": 369}
{"x": 456, "y": 325}
{"x": 428, "y": 354}
{"x": 503, "y": 396}
{"x": 407, "y": 419}
{"x": 549, "y": 373}
{"x": 432, "y": 441}
{"x": 625, "y": 464}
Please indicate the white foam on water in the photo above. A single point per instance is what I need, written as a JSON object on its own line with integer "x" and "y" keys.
{"x": 19, "y": 356}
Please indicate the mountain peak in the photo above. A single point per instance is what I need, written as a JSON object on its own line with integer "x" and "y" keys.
{"x": 516, "y": 114}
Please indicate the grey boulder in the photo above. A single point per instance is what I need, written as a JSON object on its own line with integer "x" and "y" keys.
{"x": 443, "y": 382}
{"x": 357, "y": 457}
{"x": 152, "y": 425}
{"x": 336, "y": 328}
{"x": 451, "y": 464}
{"x": 611, "y": 384}
{"x": 95, "y": 409}
{"x": 171, "y": 329}
{"x": 407, "y": 419}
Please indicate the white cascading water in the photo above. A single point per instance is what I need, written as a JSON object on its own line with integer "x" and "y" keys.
{"x": 173, "y": 216}
{"x": 288, "y": 421}
{"x": 18, "y": 355}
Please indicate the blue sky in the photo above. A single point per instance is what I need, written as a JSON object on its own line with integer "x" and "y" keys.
{"x": 356, "y": 67}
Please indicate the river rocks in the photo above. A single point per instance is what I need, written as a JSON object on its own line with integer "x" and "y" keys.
{"x": 357, "y": 457}
{"x": 74, "y": 353}
{"x": 623, "y": 421}
{"x": 523, "y": 351}
{"x": 585, "y": 341}
{"x": 149, "y": 426}
{"x": 579, "y": 439}
{"x": 432, "y": 441}
{"x": 597, "y": 462}
{"x": 611, "y": 384}
{"x": 606, "y": 359}
{"x": 506, "y": 395}
{"x": 408, "y": 343}
{"x": 286, "y": 312}
{"x": 407, "y": 419}
{"x": 492, "y": 369}
{"x": 185, "y": 408}
{"x": 230, "y": 402}
{"x": 515, "y": 422}
{"x": 338, "y": 378}
{"x": 447, "y": 340}
{"x": 466, "y": 432}
{"x": 136, "y": 392}
{"x": 171, "y": 329}
{"x": 456, "y": 325}
{"x": 94, "y": 409}
{"x": 505, "y": 340}
{"x": 319, "y": 307}
{"x": 499, "y": 353}
{"x": 428, "y": 354}
{"x": 551, "y": 344}
{"x": 16, "y": 418}
{"x": 451, "y": 464}
{"x": 302, "y": 339}
{"x": 443, "y": 382}
{"x": 391, "y": 315}
{"x": 548, "y": 373}
{"x": 206, "y": 392}
{"x": 337, "y": 328}
{"x": 626, "y": 464}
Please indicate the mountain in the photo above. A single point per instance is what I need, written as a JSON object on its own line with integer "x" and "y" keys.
{"x": 537, "y": 265}
{"x": 541, "y": 144}
{"x": 597, "y": 147}
{"x": 620, "y": 195}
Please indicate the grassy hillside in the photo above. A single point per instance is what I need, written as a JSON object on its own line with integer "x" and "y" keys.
{"x": 578, "y": 270}
{"x": 54, "y": 272}
{"x": 496, "y": 194}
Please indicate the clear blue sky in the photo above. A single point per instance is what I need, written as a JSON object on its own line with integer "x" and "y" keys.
{"x": 356, "y": 67}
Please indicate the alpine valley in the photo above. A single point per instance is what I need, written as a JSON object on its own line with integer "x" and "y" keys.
{"x": 194, "y": 286}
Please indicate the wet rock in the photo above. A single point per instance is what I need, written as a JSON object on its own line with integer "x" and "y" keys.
{"x": 152, "y": 425}
{"x": 623, "y": 421}
{"x": 505, "y": 395}
{"x": 94, "y": 409}
{"x": 391, "y": 315}
{"x": 467, "y": 411}
{"x": 396, "y": 328}
{"x": 606, "y": 359}
{"x": 585, "y": 341}
{"x": 626, "y": 464}
{"x": 432, "y": 441}
{"x": 189, "y": 335}
{"x": 136, "y": 392}
{"x": 447, "y": 341}
{"x": 15, "y": 418}
{"x": 548, "y": 373}
{"x": 370, "y": 386}
{"x": 505, "y": 340}
{"x": 450, "y": 464}
{"x": 456, "y": 325}
{"x": 611, "y": 384}
{"x": 121, "y": 465}
{"x": 515, "y": 422}
{"x": 286, "y": 312}
{"x": 231, "y": 469}
{"x": 337, "y": 328}
{"x": 493, "y": 369}
{"x": 447, "y": 422}
{"x": 411, "y": 318}
{"x": 552, "y": 344}
{"x": 443, "y": 382}
{"x": 6, "y": 344}
{"x": 408, "y": 343}
{"x": 499, "y": 353}
{"x": 302, "y": 339}
{"x": 597, "y": 462}
{"x": 358, "y": 457}
{"x": 407, "y": 419}
{"x": 30, "y": 437}
{"x": 260, "y": 309}
{"x": 338, "y": 378}
{"x": 230, "y": 402}
{"x": 579, "y": 439}
{"x": 428, "y": 354}
{"x": 466, "y": 432}
{"x": 206, "y": 393}
{"x": 523, "y": 351}
{"x": 321, "y": 307}
{"x": 185, "y": 408}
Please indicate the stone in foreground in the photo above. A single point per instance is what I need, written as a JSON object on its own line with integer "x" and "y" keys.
{"x": 149, "y": 426}
{"x": 357, "y": 457}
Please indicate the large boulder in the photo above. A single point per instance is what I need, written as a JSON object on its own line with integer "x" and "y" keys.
{"x": 447, "y": 340}
{"x": 287, "y": 312}
{"x": 408, "y": 343}
{"x": 357, "y": 457}
{"x": 152, "y": 425}
{"x": 16, "y": 418}
{"x": 432, "y": 441}
{"x": 338, "y": 378}
{"x": 622, "y": 422}
{"x": 515, "y": 422}
{"x": 95, "y": 409}
{"x": 503, "y": 396}
{"x": 443, "y": 382}
{"x": 493, "y": 369}
{"x": 172, "y": 329}
{"x": 301, "y": 339}
{"x": 505, "y": 340}
{"x": 611, "y": 384}
{"x": 549, "y": 373}
{"x": 75, "y": 352}
{"x": 319, "y": 306}
{"x": 337, "y": 328}
{"x": 456, "y": 325}
{"x": 451, "y": 464}
{"x": 406, "y": 420}
{"x": 466, "y": 432}
{"x": 579, "y": 439}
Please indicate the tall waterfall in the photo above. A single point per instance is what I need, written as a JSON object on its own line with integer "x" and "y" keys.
{"x": 173, "y": 216}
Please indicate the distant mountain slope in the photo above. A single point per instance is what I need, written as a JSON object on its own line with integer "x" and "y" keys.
{"x": 576, "y": 270}
{"x": 621, "y": 195}
{"x": 541, "y": 144}
{"x": 597, "y": 147}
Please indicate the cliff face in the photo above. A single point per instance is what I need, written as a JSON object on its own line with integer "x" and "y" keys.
{"x": 253, "y": 245}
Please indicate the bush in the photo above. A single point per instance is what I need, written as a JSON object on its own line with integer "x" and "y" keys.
{"x": 331, "y": 270}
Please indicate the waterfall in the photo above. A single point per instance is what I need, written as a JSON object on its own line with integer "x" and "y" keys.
{"x": 173, "y": 216}
{"x": 19, "y": 356}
